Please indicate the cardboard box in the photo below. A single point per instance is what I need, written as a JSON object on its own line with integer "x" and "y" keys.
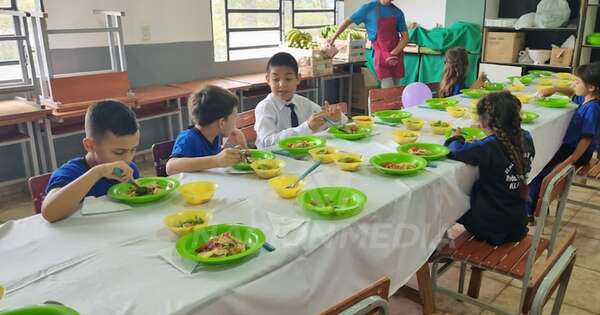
{"x": 350, "y": 50}
{"x": 361, "y": 84}
{"x": 561, "y": 57}
{"x": 503, "y": 47}
{"x": 315, "y": 64}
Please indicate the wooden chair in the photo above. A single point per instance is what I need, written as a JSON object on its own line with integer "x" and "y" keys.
{"x": 584, "y": 173}
{"x": 161, "y": 153}
{"x": 384, "y": 99}
{"x": 523, "y": 260}
{"x": 245, "y": 123}
{"x": 37, "y": 188}
{"x": 434, "y": 87}
{"x": 371, "y": 300}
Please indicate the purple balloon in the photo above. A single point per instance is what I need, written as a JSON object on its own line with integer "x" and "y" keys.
{"x": 415, "y": 94}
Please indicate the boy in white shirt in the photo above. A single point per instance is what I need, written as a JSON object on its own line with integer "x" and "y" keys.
{"x": 283, "y": 113}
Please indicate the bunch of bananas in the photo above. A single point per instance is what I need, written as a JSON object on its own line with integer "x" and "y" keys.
{"x": 298, "y": 39}
{"x": 328, "y": 31}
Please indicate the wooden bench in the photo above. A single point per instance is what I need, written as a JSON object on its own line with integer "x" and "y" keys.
{"x": 19, "y": 125}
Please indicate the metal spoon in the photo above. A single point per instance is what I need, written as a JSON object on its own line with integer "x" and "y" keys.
{"x": 139, "y": 190}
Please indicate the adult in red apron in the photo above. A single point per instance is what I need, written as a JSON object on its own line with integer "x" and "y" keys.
{"x": 387, "y": 66}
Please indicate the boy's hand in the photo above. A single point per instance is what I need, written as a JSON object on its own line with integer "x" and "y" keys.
{"x": 107, "y": 170}
{"x": 547, "y": 92}
{"x": 228, "y": 157}
{"x": 316, "y": 121}
{"x": 334, "y": 112}
{"x": 237, "y": 138}
{"x": 482, "y": 77}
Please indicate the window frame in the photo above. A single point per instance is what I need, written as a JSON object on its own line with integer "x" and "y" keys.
{"x": 283, "y": 17}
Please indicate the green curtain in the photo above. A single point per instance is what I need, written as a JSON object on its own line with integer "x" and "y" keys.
{"x": 429, "y": 67}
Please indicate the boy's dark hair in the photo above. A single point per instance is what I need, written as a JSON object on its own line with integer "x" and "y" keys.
{"x": 283, "y": 59}
{"x": 211, "y": 104}
{"x": 590, "y": 75}
{"x": 109, "y": 116}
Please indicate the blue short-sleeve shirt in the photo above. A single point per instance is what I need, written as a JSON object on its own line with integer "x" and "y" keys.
{"x": 192, "y": 143}
{"x": 367, "y": 14}
{"x": 76, "y": 167}
{"x": 584, "y": 123}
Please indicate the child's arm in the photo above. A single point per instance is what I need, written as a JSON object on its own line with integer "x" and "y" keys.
{"x": 227, "y": 157}
{"x": 266, "y": 127}
{"x": 341, "y": 29}
{"x": 472, "y": 153}
{"x": 480, "y": 81}
{"x": 563, "y": 90}
{"x": 62, "y": 202}
{"x": 582, "y": 146}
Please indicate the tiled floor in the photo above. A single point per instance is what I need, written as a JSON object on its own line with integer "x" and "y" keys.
{"x": 582, "y": 294}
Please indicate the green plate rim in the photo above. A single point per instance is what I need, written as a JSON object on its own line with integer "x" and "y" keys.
{"x": 112, "y": 191}
{"x": 391, "y": 111}
{"x": 321, "y": 142}
{"x": 346, "y": 214}
{"x": 405, "y": 147}
{"x": 422, "y": 162}
{"x": 246, "y": 166}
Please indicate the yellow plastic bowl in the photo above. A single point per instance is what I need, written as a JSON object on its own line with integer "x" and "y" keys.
{"x": 196, "y": 193}
{"x": 440, "y": 130}
{"x": 280, "y": 183}
{"x": 564, "y": 76}
{"x": 274, "y": 168}
{"x": 546, "y": 81}
{"x": 456, "y": 111}
{"x": 414, "y": 124}
{"x": 515, "y": 87}
{"x": 563, "y": 83}
{"x": 524, "y": 97}
{"x": 364, "y": 121}
{"x": 348, "y": 166}
{"x": 474, "y": 103}
{"x": 326, "y": 157}
{"x": 173, "y": 220}
{"x": 405, "y": 136}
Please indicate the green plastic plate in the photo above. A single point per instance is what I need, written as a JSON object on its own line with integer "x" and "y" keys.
{"x": 493, "y": 87}
{"x": 333, "y": 202}
{"x": 541, "y": 73}
{"x": 529, "y": 117}
{"x": 470, "y": 133}
{"x": 392, "y": 116}
{"x": 554, "y": 102}
{"x": 526, "y": 79}
{"x": 437, "y": 151}
{"x": 315, "y": 143}
{"x": 42, "y": 309}
{"x": 253, "y": 237}
{"x": 120, "y": 191}
{"x": 378, "y": 160}
{"x": 473, "y": 93}
{"x": 255, "y": 155}
{"x": 360, "y": 134}
{"x": 441, "y": 103}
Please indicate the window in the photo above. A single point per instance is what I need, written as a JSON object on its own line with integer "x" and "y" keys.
{"x": 246, "y": 29}
{"x": 15, "y": 67}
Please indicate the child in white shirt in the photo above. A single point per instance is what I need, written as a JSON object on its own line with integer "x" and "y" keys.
{"x": 283, "y": 113}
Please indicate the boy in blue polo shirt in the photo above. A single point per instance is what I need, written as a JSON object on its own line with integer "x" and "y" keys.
{"x": 214, "y": 111}
{"x": 581, "y": 139}
{"x": 111, "y": 140}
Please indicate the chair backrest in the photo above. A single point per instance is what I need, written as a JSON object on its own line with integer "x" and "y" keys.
{"x": 37, "y": 188}
{"x": 245, "y": 123}
{"x": 384, "y": 99}
{"x": 434, "y": 87}
{"x": 161, "y": 153}
{"x": 88, "y": 87}
{"x": 376, "y": 296}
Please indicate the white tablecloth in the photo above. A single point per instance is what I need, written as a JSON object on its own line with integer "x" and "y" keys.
{"x": 109, "y": 264}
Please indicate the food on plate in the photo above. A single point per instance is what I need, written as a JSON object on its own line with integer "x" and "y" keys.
{"x": 349, "y": 159}
{"x": 419, "y": 151}
{"x": 265, "y": 167}
{"x": 190, "y": 222}
{"x": 247, "y": 157}
{"x": 221, "y": 245}
{"x": 440, "y": 123}
{"x": 350, "y": 129}
{"x": 399, "y": 166}
{"x": 301, "y": 144}
{"x": 150, "y": 189}
{"x": 362, "y": 119}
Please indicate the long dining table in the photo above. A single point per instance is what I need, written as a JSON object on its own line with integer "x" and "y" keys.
{"x": 112, "y": 263}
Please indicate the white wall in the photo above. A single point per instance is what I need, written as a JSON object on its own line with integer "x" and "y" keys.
{"x": 427, "y": 13}
{"x": 189, "y": 20}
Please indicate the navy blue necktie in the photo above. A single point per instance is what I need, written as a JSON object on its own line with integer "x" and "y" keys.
{"x": 293, "y": 115}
